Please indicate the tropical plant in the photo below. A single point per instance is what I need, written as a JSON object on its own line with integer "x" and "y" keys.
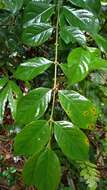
{"x": 66, "y": 27}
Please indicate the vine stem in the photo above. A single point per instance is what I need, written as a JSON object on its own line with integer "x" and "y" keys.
{"x": 55, "y": 69}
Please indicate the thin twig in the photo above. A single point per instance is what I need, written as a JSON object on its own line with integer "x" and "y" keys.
{"x": 56, "y": 64}
{"x": 55, "y": 75}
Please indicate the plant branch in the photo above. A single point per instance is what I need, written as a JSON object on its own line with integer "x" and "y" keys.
{"x": 56, "y": 65}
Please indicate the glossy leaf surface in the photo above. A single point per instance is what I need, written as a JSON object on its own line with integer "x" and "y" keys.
{"x": 77, "y": 67}
{"x": 3, "y": 100}
{"x": 33, "y": 105}
{"x": 82, "y": 61}
{"x": 79, "y": 109}
{"x": 32, "y": 138}
{"x": 93, "y": 5}
{"x": 3, "y": 82}
{"x": 72, "y": 34}
{"x": 37, "y": 11}
{"x": 72, "y": 141}
{"x": 36, "y": 34}
{"x": 83, "y": 19}
{"x": 13, "y": 5}
{"x": 96, "y": 62}
{"x": 32, "y": 68}
{"x": 101, "y": 42}
{"x": 14, "y": 94}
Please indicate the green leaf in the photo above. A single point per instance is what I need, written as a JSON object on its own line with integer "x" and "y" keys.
{"x": 99, "y": 64}
{"x": 78, "y": 54}
{"x": 80, "y": 110}
{"x": 3, "y": 100}
{"x": 3, "y": 82}
{"x": 62, "y": 19}
{"x": 101, "y": 42}
{"x": 32, "y": 68}
{"x": 36, "y": 34}
{"x": 96, "y": 62}
{"x": 83, "y": 19}
{"x": 14, "y": 93}
{"x": 11, "y": 93}
{"x": 2, "y": 5}
{"x": 32, "y": 138}
{"x": 67, "y": 188}
{"x": 81, "y": 61}
{"x": 104, "y": 90}
{"x": 93, "y": 5}
{"x": 72, "y": 34}
{"x": 65, "y": 70}
{"x": 94, "y": 52}
{"x": 79, "y": 3}
{"x": 77, "y": 67}
{"x": 33, "y": 105}
{"x": 13, "y": 5}
{"x": 44, "y": 1}
{"x": 72, "y": 141}
{"x": 37, "y": 11}
{"x": 43, "y": 171}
